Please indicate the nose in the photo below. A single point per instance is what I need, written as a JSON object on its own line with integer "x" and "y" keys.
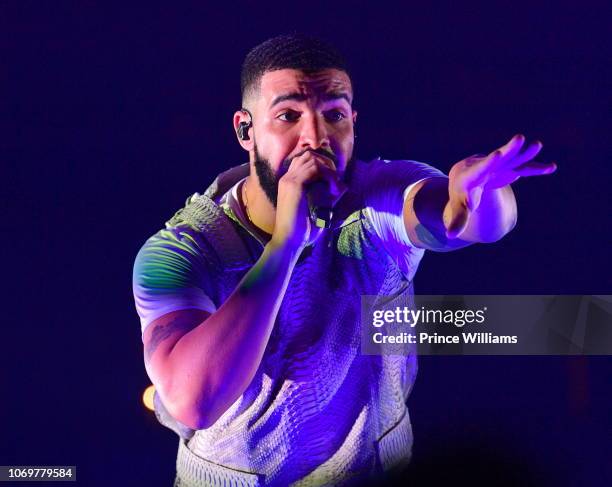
{"x": 314, "y": 133}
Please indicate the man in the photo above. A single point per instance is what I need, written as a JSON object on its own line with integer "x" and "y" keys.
{"x": 250, "y": 307}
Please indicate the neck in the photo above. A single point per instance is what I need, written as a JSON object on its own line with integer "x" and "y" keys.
{"x": 259, "y": 209}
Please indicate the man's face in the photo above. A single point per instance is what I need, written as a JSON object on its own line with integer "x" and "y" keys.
{"x": 295, "y": 112}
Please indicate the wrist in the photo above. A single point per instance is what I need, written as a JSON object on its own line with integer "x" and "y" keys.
{"x": 284, "y": 247}
{"x": 495, "y": 217}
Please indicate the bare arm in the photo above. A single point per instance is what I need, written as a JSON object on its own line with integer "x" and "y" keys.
{"x": 476, "y": 203}
{"x": 201, "y": 363}
{"x": 427, "y": 214}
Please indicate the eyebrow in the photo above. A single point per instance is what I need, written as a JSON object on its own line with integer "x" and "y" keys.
{"x": 296, "y": 96}
{"x": 337, "y": 95}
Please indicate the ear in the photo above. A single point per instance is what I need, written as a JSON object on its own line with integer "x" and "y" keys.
{"x": 354, "y": 117}
{"x": 242, "y": 116}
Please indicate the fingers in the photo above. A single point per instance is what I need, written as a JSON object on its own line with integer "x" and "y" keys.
{"x": 529, "y": 153}
{"x": 536, "y": 169}
{"x": 510, "y": 155}
{"x": 505, "y": 153}
{"x": 310, "y": 155}
{"x": 520, "y": 163}
{"x": 458, "y": 220}
{"x": 512, "y": 147}
{"x": 311, "y": 167}
{"x": 337, "y": 186}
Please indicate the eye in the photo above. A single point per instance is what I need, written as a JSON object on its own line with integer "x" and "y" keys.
{"x": 289, "y": 116}
{"x": 334, "y": 115}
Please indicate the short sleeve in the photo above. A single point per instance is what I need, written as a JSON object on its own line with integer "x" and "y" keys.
{"x": 389, "y": 183}
{"x": 169, "y": 275}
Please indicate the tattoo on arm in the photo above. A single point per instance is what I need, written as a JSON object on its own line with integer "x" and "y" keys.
{"x": 164, "y": 331}
{"x": 428, "y": 207}
{"x": 435, "y": 240}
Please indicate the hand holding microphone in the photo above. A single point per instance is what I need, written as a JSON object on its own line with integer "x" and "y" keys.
{"x": 307, "y": 193}
{"x": 323, "y": 194}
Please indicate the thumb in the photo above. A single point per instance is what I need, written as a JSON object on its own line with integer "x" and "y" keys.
{"x": 473, "y": 198}
{"x": 458, "y": 218}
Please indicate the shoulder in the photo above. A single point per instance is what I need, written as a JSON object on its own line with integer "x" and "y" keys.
{"x": 172, "y": 271}
{"x": 169, "y": 258}
{"x": 380, "y": 185}
{"x": 370, "y": 175}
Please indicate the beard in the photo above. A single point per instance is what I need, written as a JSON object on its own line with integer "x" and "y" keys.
{"x": 268, "y": 179}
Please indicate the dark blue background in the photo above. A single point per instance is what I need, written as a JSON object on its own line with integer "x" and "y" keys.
{"x": 111, "y": 117}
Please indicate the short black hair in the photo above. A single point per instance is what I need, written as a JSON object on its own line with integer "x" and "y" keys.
{"x": 293, "y": 51}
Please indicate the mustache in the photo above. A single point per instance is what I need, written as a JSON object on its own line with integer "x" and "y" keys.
{"x": 322, "y": 152}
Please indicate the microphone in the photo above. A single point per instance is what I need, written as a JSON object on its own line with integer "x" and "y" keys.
{"x": 320, "y": 201}
{"x": 320, "y": 204}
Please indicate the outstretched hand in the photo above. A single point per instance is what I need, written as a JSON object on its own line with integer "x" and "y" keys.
{"x": 475, "y": 174}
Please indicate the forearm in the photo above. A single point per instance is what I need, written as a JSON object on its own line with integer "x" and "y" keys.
{"x": 428, "y": 215}
{"x": 476, "y": 203}
{"x": 211, "y": 366}
{"x": 494, "y": 217}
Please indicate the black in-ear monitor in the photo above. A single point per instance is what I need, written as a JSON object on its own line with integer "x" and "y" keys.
{"x": 243, "y": 130}
{"x": 243, "y": 127}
